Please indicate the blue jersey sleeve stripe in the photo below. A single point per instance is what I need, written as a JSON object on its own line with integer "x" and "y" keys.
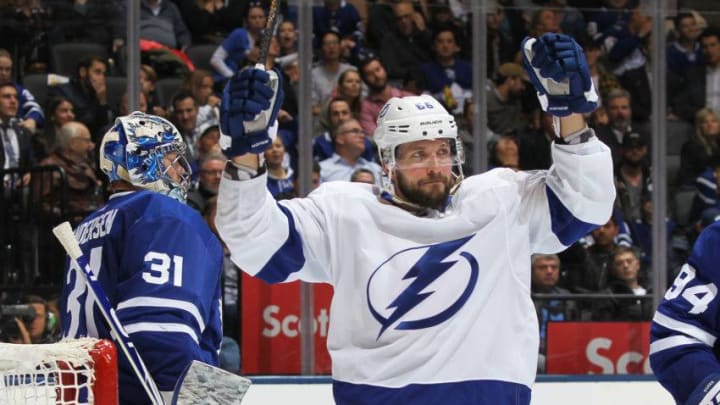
{"x": 565, "y": 226}
{"x": 684, "y": 328}
{"x": 155, "y": 302}
{"x": 286, "y": 260}
{"x": 672, "y": 342}
{"x": 139, "y": 327}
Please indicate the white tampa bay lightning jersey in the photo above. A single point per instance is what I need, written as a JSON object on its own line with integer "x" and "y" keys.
{"x": 159, "y": 265}
{"x": 685, "y": 328}
{"x": 432, "y": 310}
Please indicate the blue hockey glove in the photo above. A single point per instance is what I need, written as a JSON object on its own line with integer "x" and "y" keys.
{"x": 559, "y": 71}
{"x": 707, "y": 392}
{"x": 251, "y": 100}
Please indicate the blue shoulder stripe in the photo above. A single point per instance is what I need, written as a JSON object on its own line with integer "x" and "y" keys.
{"x": 286, "y": 260}
{"x": 565, "y": 226}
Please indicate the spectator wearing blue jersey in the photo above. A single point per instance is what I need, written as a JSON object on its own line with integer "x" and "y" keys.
{"x": 342, "y": 17}
{"x": 30, "y": 113}
{"x": 240, "y": 47}
{"x": 448, "y": 78}
{"x": 281, "y": 179}
{"x": 625, "y": 31}
{"x": 339, "y": 16}
{"x": 684, "y": 53}
{"x": 338, "y": 111}
{"x": 154, "y": 257}
{"x": 707, "y": 190}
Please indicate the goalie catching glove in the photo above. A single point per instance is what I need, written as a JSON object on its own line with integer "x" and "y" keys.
{"x": 559, "y": 71}
{"x": 251, "y": 100}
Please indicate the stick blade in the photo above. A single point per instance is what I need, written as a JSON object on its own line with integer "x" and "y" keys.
{"x": 65, "y": 235}
{"x": 203, "y": 384}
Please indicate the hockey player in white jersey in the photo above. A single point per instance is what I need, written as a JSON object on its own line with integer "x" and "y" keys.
{"x": 431, "y": 274}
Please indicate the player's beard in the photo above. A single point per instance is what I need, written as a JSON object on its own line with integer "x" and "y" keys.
{"x": 428, "y": 197}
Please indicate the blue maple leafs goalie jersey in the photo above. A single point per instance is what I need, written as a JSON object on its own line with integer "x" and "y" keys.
{"x": 428, "y": 310}
{"x": 159, "y": 265}
{"x": 683, "y": 336}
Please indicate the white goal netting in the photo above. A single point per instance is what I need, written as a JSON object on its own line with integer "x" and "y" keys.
{"x": 59, "y": 373}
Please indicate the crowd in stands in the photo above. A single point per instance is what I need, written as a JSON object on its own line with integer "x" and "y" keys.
{"x": 366, "y": 52}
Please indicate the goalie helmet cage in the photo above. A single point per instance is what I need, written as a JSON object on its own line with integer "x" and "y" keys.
{"x": 77, "y": 371}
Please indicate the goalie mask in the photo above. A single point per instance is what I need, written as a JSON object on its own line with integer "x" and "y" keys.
{"x": 410, "y": 119}
{"x": 148, "y": 152}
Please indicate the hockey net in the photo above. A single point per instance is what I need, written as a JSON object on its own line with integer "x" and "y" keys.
{"x": 82, "y": 371}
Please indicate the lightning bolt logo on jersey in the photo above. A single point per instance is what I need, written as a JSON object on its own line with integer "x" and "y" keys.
{"x": 433, "y": 264}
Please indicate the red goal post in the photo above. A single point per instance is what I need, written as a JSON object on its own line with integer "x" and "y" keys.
{"x": 77, "y": 371}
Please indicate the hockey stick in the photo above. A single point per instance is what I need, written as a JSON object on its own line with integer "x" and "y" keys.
{"x": 261, "y": 120}
{"x": 65, "y": 235}
{"x": 267, "y": 34}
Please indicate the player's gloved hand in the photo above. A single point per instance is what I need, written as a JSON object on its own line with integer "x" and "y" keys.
{"x": 707, "y": 392}
{"x": 251, "y": 100}
{"x": 559, "y": 71}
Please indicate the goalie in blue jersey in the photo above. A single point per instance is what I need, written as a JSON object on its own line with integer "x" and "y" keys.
{"x": 156, "y": 259}
{"x": 431, "y": 272}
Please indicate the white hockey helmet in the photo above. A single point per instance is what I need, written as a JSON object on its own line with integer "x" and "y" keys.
{"x": 410, "y": 119}
{"x": 134, "y": 148}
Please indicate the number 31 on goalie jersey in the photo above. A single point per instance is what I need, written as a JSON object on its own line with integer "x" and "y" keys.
{"x": 163, "y": 268}
{"x": 160, "y": 269}
{"x": 698, "y": 295}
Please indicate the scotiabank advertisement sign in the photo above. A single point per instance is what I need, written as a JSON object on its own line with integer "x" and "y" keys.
{"x": 598, "y": 348}
{"x": 270, "y": 318}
